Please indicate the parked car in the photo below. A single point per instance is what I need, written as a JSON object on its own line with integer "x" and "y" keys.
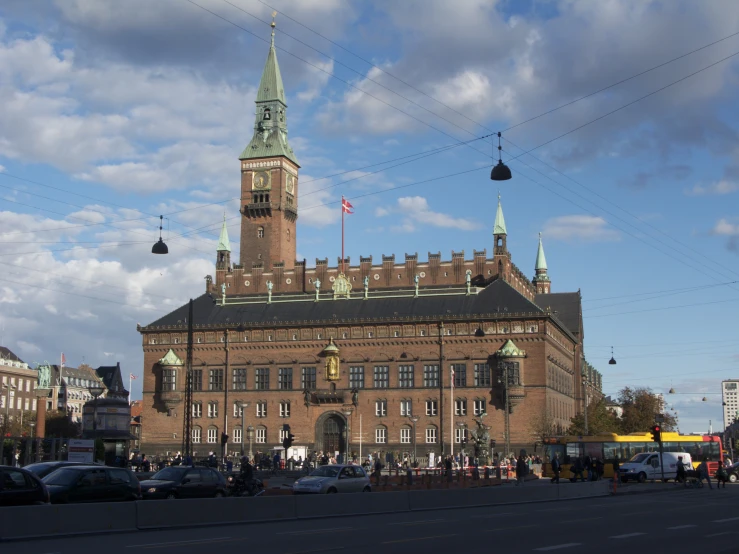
{"x": 645, "y": 466}
{"x": 733, "y": 472}
{"x": 92, "y": 484}
{"x": 42, "y": 469}
{"x": 19, "y": 487}
{"x": 185, "y": 482}
{"x": 332, "y": 479}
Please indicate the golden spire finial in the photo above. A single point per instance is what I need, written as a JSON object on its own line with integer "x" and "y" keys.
{"x": 273, "y": 25}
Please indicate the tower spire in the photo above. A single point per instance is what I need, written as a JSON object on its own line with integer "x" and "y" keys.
{"x": 223, "y": 243}
{"x": 541, "y": 280}
{"x": 273, "y": 25}
{"x": 499, "y": 226}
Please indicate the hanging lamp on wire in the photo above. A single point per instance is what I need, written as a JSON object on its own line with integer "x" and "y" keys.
{"x": 160, "y": 247}
{"x": 500, "y": 172}
{"x": 612, "y": 361}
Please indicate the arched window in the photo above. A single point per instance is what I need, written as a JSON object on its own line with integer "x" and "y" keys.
{"x": 212, "y": 435}
{"x": 266, "y": 197}
{"x": 288, "y": 234}
{"x": 236, "y": 435}
{"x": 406, "y": 433}
{"x": 431, "y": 434}
{"x": 261, "y": 434}
{"x": 381, "y": 434}
{"x": 197, "y": 433}
{"x": 260, "y": 232}
{"x": 267, "y": 114}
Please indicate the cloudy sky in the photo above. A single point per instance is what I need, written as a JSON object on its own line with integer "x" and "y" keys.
{"x": 112, "y": 113}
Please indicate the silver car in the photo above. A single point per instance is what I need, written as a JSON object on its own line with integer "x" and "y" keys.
{"x": 332, "y": 479}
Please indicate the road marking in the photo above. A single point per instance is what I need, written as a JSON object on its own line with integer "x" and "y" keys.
{"x": 418, "y": 522}
{"x": 719, "y": 534}
{"x": 494, "y": 515}
{"x": 507, "y": 528}
{"x": 173, "y": 543}
{"x": 557, "y": 546}
{"x": 626, "y": 536}
{"x": 420, "y": 539}
{"x": 681, "y": 527}
{"x": 725, "y": 520}
{"x": 590, "y": 518}
{"x": 315, "y": 531}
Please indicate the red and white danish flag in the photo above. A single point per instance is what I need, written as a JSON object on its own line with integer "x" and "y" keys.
{"x": 346, "y": 206}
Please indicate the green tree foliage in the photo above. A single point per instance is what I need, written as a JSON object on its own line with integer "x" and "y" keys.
{"x": 640, "y": 406}
{"x": 600, "y": 420}
{"x": 60, "y": 425}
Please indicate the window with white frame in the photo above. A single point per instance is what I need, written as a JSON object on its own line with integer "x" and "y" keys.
{"x": 406, "y": 408}
{"x": 283, "y": 434}
{"x": 479, "y": 407}
{"x": 380, "y": 408}
{"x": 430, "y": 435}
{"x": 482, "y": 375}
{"x": 197, "y": 409}
{"x": 212, "y": 408}
{"x": 238, "y": 410}
{"x": 261, "y": 435}
{"x": 431, "y": 407}
{"x": 196, "y": 435}
{"x": 169, "y": 379}
{"x": 236, "y": 435}
{"x": 212, "y": 435}
{"x": 381, "y": 435}
{"x": 405, "y": 435}
{"x": 460, "y": 435}
{"x": 261, "y": 409}
{"x": 261, "y": 378}
{"x": 284, "y": 409}
{"x": 460, "y": 407}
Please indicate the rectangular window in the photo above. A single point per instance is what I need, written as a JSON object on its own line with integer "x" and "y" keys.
{"x": 482, "y": 375}
{"x": 309, "y": 378}
{"x": 513, "y": 371}
{"x": 284, "y": 409}
{"x": 381, "y": 408}
{"x": 479, "y": 407}
{"x": 460, "y": 375}
{"x": 212, "y": 435}
{"x": 285, "y": 378}
{"x": 431, "y": 376}
{"x": 405, "y": 376}
{"x": 212, "y": 409}
{"x": 460, "y": 435}
{"x": 261, "y": 409}
{"x": 169, "y": 379}
{"x": 197, "y": 409}
{"x": 261, "y": 378}
{"x": 238, "y": 410}
{"x": 215, "y": 379}
{"x": 460, "y": 407}
{"x": 405, "y": 408}
{"x": 431, "y": 407}
{"x": 239, "y": 382}
{"x": 356, "y": 377}
{"x": 283, "y": 434}
{"x": 196, "y": 435}
{"x": 431, "y": 435}
{"x": 197, "y": 380}
{"x": 261, "y": 435}
{"x": 405, "y": 435}
{"x": 382, "y": 376}
{"x": 236, "y": 435}
{"x": 380, "y": 435}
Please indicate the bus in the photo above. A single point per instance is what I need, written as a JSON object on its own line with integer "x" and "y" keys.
{"x": 609, "y": 446}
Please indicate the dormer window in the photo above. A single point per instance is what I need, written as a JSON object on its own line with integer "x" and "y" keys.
{"x": 267, "y": 115}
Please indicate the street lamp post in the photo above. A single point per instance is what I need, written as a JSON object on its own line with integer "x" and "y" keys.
{"x": 95, "y": 390}
{"x": 244, "y": 406}
{"x": 585, "y": 396}
{"x": 250, "y": 433}
{"x": 504, "y": 379}
{"x": 348, "y": 414}
{"x": 414, "y": 419}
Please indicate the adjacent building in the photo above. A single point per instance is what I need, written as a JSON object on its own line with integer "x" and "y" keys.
{"x": 730, "y": 398}
{"x": 17, "y": 387}
{"x": 362, "y": 357}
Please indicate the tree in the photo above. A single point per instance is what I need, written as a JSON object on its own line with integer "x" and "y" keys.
{"x": 600, "y": 420}
{"x": 640, "y": 406}
{"x": 60, "y": 425}
{"x": 16, "y": 428}
{"x": 542, "y": 426}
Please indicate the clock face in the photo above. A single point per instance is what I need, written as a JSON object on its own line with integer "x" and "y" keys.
{"x": 261, "y": 180}
{"x": 290, "y": 185}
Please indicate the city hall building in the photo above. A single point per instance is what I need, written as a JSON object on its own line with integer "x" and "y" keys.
{"x": 386, "y": 354}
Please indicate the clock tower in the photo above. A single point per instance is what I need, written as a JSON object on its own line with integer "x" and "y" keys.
{"x": 269, "y": 178}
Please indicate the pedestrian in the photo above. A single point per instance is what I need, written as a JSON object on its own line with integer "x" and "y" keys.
{"x": 703, "y": 472}
{"x": 145, "y": 463}
{"x": 448, "y": 467}
{"x": 599, "y": 469}
{"x": 616, "y": 467}
{"x": 378, "y": 470}
{"x": 721, "y": 476}
{"x": 556, "y": 468}
{"x": 682, "y": 473}
{"x": 577, "y": 469}
{"x": 521, "y": 467}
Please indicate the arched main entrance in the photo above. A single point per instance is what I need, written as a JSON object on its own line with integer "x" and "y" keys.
{"x": 330, "y": 433}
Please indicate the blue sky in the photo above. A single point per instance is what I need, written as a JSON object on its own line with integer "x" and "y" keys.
{"x": 114, "y": 112}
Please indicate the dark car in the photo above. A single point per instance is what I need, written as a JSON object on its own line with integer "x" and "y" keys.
{"x": 42, "y": 469}
{"x": 92, "y": 484}
{"x": 732, "y": 472}
{"x": 185, "y": 482}
{"x": 19, "y": 487}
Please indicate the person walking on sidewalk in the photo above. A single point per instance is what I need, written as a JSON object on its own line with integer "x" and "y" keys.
{"x": 577, "y": 470}
{"x": 556, "y": 468}
{"x": 521, "y": 467}
{"x": 703, "y": 472}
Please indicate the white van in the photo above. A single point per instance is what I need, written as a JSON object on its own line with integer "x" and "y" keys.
{"x": 646, "y": 466}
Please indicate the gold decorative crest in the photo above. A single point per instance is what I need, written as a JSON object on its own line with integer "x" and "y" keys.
{"x": 331, "y": 353}
{"x": 342, "y": 287}
{"x": 261, "y": 180}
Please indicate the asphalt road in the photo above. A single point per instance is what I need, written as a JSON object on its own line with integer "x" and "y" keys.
{"x": 680, "y": 521}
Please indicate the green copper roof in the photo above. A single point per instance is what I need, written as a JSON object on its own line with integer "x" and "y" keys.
{"x": 170, "y": 359}
{"x": 270, "y": 86}
{"x": 331, "y": 348}
{"x": 541, "y": 261}
{"x": 499, "y": 227}
{"x": 510, "y": 350}
{"x": 223, "y": 244}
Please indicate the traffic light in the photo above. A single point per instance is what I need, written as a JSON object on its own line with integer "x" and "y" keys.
{"x": 224, "y": 439}
{"x": 656, "y": 433}
{"x": 288, "y": 441}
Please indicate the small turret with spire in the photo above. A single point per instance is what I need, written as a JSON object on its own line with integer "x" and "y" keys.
{"x": 223, "y": 259}
{"x": 501, "y": 256}
{"x": 541, "y": 280}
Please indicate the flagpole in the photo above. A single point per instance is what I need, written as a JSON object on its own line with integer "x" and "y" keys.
{"x": 129, "y": 388}
{"x": 342, "y": 233}
{"x": 451, "y": 412}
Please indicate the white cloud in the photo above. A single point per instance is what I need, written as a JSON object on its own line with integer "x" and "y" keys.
{"x": 725, "y": 227}
{"x": 381, "y": 212}
{"x": 318, "y": 208}
{"x": 417, "y": 209}
{"x": 720, "y": 187}
{"x": 584, "y": 228}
